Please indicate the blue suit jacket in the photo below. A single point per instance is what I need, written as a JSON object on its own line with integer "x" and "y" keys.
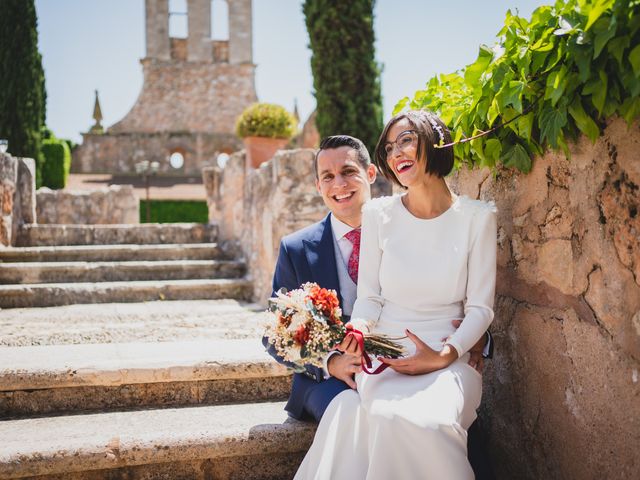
{"x": 308, "y": 255}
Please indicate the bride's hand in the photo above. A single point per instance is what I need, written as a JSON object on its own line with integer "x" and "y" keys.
{"x": 425, "y": 360}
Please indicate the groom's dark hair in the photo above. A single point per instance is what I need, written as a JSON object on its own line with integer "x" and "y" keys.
{"x": 337, "y": 141}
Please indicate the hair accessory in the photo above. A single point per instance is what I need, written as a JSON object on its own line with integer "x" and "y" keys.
{"x": 437, "y": 128}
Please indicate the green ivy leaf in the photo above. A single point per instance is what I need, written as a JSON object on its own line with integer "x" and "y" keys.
{"x": 525, "y": 125}
{"x": 631, "y": 83}
{"x": 477, "y": 145}
{"x": 400, "y": 105}
{"x": 563, "y": 145}
{"x": 600, "y": 96}
{"x": 493, "y": 112}
{"x": 616, "y": 48}
{"x": 492, "y": 151}
{"x": 630, "y": 109}
{"x": 551, "y": 123}
{"x": 583, "y": 121}
{"x": 582, "y": 57}
{"x": 474, "y": 71}
{"x": 556, "y": 83}
{"x": 517, "y": 157}
{"x": 597, "y": 9}
{"x": 605, "y": 30}
{"x": 510, "y": 95}
{"x": 634, "y": 59}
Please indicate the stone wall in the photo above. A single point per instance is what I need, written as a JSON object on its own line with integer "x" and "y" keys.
{"x": 562, "y": 398}
{"x": 116, "y": 204}
{"x": 256, "y": 208}
{"x": 17, "y": 196}
{"x": 120, "y": 152}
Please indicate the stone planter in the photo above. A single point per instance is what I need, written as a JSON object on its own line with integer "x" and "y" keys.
{"x": 261, "y": 149}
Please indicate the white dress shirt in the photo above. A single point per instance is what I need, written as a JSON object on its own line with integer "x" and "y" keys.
{"x": 348, "y": 289}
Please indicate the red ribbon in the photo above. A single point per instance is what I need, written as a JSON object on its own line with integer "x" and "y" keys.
{"x": 365, "y": 360}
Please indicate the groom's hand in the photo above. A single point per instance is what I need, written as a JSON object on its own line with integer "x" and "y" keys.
{"x": 344, "y": 367}
{"x": 349, "y": 345}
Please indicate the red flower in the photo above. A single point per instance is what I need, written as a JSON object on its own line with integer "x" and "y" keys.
{"x": 301, "y": 336}
{"x": 324, "y": 300}
{"x": 282, "y": 320}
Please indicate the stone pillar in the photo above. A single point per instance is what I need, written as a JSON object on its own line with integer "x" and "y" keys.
{"x": 240, "y": 31}
{"x": 8, "y": 180}
{"x": 157, "y": 29}
{"x": 199, "y": 47}
{"x": 26, "y": 193}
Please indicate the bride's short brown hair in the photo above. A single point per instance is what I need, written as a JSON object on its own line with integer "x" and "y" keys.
{"x": 431, "y": 131}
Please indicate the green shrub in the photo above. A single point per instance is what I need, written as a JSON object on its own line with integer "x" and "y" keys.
{"x": 175, "y": 211}
{"x": 22, "y": 89}
{"x": 57, "y": 162}
{"x": 346, "y": 76}
{"x": 266, "y": 120}
{"x": 549, "y": 78}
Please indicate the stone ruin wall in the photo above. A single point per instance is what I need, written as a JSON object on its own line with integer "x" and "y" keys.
{"x": 194, "y": 89}
{"x": 17, "y": 196}
{"x": 256, "y": 208}
{"x": 562, "y": 398}
{"x": 181, "y": 96}
{"x": 118, "y": 153}
{"x": 116, "y": 204}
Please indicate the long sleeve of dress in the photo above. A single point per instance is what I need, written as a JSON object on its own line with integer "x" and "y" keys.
{"x": 481, "y": 282}
{"x": 368, "y": 305}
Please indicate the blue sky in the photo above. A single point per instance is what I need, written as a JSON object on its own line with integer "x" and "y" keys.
{"x": 97, "y": 44}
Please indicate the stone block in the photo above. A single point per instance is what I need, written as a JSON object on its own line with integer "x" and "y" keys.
{"x": 27, "y": 189}
{"x": 147, "y": 443}
{"x": 50, "y": 294}
{"x": 116, "y": 204}
{"x": 8, "y": 182}
{"x": 66, "y": 378}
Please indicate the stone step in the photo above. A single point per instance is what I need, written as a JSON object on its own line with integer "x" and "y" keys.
{"x": 58, "y": 379}
{"x": 158, "y": 321}
{"x": 153, "y": 233}
{"x": 245, "y": 441}
{"x": 50, "y": 294}
{"x": 103, "y": 253}
{"x": 64, "y": 272}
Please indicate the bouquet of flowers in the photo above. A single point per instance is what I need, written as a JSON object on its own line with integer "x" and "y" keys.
{"x": 308, "y": 325}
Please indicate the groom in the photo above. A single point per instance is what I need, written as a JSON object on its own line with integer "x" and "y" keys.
{"x": 327, "y": 253}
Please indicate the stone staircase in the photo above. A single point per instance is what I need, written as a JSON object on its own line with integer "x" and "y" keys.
{"x": 69, "y": 264}
{"x": 113, "y": 366}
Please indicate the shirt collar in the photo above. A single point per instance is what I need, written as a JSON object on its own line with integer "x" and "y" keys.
{"x": 340, "y": 229}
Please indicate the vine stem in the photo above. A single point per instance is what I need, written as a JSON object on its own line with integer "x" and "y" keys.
{"x": 491, "y": 130}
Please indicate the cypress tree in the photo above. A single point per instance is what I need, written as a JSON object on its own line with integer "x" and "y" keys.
{"x": 22, "y": 90}
{"x": 346, "y": 77}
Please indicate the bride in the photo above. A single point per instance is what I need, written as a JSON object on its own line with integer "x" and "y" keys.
{"x": 426, "y": 257}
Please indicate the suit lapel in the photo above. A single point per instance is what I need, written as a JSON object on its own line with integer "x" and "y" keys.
{"x": 321, "y": 256}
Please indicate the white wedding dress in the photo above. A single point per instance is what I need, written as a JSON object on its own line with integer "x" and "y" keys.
{"x": 416, "y": 274}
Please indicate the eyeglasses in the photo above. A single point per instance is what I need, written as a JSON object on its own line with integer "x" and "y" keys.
{"x": 403, "y": 141}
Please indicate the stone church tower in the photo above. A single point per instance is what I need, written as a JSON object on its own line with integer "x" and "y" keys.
{"x": 194, "y": 89}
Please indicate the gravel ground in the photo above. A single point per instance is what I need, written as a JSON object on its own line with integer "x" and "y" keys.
{"x": 131, "y": 322}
